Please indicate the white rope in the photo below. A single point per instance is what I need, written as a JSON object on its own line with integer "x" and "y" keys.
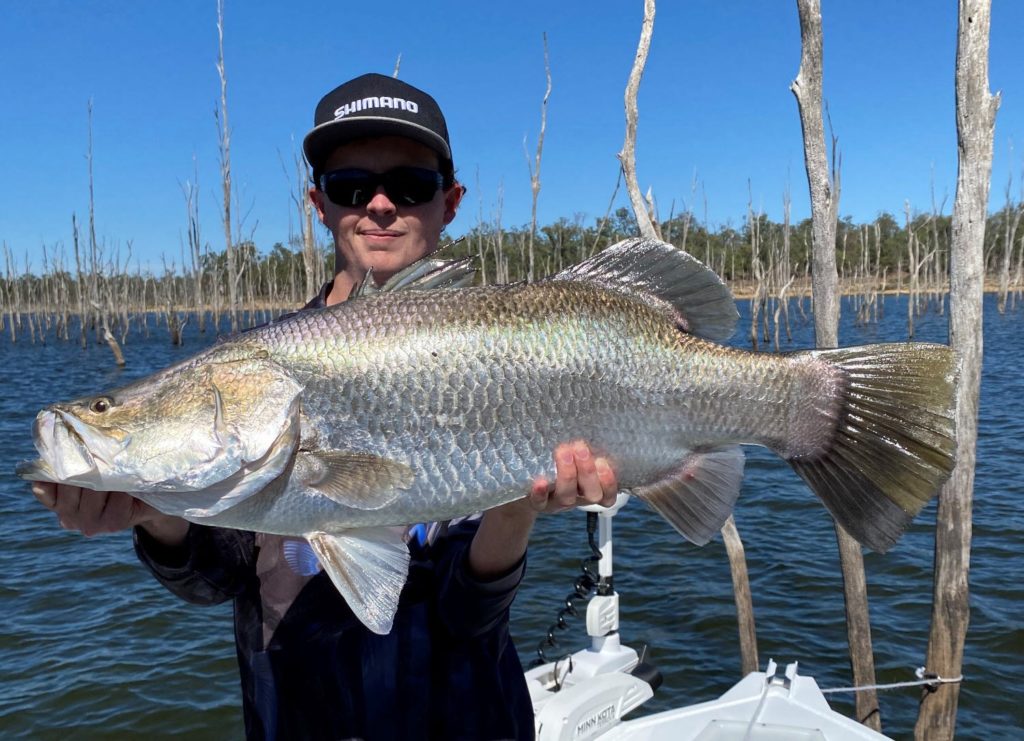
{"x": 923, "y": 678}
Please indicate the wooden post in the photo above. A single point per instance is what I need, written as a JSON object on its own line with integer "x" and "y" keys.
{"x": 975, "y": 123}
{"x": 824, "y": 190}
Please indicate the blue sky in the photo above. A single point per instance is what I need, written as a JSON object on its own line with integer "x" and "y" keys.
{"x": 714, "y": 102}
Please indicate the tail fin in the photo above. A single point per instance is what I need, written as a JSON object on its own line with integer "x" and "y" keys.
{"x": 894, "y": 441}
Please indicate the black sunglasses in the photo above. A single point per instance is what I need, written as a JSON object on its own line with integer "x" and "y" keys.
{"x": 405, "y": 186}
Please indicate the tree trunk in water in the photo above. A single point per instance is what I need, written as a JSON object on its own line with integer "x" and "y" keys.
{"x": 975, "y": 123}
{"x": 741, "y": 593}
{"x": 807, "y": 87}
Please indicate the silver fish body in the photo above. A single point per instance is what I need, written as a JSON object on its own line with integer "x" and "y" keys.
{"x": 418, "y": 405}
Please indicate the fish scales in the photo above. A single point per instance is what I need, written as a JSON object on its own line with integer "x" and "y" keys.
{"x": 473, "y": 388}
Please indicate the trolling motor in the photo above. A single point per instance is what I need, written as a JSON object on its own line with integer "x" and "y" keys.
{"x": 584, "y": 694}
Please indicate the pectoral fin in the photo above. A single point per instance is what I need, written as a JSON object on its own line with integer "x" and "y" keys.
{"x": 356, "y": 480}
{"x": 369, "y": 567}
{"x": 699, "y": 497}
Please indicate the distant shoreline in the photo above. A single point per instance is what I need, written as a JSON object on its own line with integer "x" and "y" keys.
{"x": 747, "y": 292}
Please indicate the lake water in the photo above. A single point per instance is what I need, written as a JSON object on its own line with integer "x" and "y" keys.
{"x": 92, "y": 647}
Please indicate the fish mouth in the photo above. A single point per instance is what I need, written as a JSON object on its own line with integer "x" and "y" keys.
{"x": 70, "y": 451}
{"x": 37, "y": 470}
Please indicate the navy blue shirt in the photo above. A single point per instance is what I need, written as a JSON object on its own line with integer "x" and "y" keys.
{"x": 447, "y": 670}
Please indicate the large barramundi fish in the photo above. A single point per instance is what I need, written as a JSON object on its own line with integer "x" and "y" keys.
{"x": 412, "y": 405}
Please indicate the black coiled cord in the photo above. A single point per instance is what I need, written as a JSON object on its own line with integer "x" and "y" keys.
{"x": 588, "y": 581}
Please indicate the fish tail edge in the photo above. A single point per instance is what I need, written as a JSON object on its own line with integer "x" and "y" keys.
{"x": 894, "y": 442}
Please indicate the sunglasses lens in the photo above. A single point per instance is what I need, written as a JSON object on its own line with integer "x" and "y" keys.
{"x": 411, "y": 185}
{"x": 349, "y": 187}
{"x": 405, "y": 186}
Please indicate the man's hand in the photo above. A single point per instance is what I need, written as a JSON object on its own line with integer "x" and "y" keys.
{"x": 94, "y": 512}
{"x": 504, "y": 531}
{"x": 580, "y": 478}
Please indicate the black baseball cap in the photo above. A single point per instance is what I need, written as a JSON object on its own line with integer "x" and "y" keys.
{"x": 375, "y": 105}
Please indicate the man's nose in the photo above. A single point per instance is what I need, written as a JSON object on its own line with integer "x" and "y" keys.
{"x": 380, "y": 203}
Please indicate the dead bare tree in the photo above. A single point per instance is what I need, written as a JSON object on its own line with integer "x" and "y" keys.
{"x": 194, "y": 238}
{"x": 311, "y": 262}
{"x": 742, "y": 596}
{"x": 784, "y": 274}
{"x": 14, "y": 304}
{"x": 688, "y": 217}
{"x": 94, "y": 298}
{"x": 756, "y": 269}
{"x": 913, "y": 270}
{"x": 604, "y": 221}
{"x": 936, "y": 279}
{"x": 824, "y": 189}
{"x": 975, "y": 124}
{"x": 500, "y": 259}
{"x": 534, "y": 167}
{"x": 175, "y": 322}
{"x": 1011, "y": 222}
{"x": 81, "y": 284}
{"x": 224, "y": 145}
{"x": 627, "y": 157}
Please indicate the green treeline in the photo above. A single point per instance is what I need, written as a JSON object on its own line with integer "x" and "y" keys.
{"x": 761, "y": 258}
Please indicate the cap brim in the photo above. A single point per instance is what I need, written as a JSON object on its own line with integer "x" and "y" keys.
{"x": 325, "y": 138}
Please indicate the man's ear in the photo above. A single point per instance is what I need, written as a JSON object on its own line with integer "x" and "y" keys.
{"x": 452, "y": 199}
{"x": 316, "y": 197}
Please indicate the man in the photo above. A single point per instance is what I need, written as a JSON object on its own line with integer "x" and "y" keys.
{"x": 385, "y": 187}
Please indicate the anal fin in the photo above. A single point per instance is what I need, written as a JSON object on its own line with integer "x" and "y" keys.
{"x": 699, "y": 497}
{"x": 369, "y": 567}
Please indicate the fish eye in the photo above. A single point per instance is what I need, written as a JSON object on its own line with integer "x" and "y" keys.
{"x": 101, "y": 404}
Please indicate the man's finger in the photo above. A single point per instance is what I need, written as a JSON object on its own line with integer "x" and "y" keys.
{"x": 45, "y": 492}
{"x": 90, "y": 511}
{"x": 609, "y": 484}
{"x": 118, "y": 513}
{"x": 539, "y": 494}
{"x": 566, "y": 482}
{"x": 587, "y": 482}
{"x": 66, "y": 506}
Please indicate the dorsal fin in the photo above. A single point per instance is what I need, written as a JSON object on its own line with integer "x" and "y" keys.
{"x": 703, "y": 303}
{"x": 421, "y": 275}
{"x": 427, "y": 273}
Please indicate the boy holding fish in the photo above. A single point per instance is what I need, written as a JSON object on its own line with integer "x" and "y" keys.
{"x": 385, "y": 187}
